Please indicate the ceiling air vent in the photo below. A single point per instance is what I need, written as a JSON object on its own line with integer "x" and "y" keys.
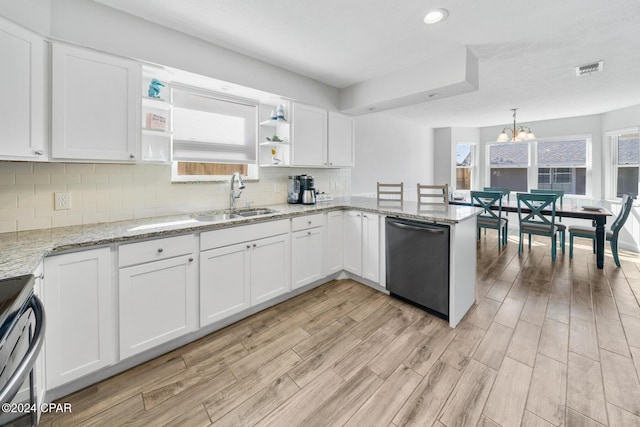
{"x": 581, "y": 70}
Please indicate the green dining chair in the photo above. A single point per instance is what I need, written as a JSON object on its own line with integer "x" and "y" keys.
{"x": 562, "y": 229}
{"x": 491, "y": 218}
{"x": 610, "y": 235}
{"x": 535, "y": 222}
{"x": 504, "y": 191}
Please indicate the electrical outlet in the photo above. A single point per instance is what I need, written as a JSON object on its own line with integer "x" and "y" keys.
{"x": 62, "y": 201}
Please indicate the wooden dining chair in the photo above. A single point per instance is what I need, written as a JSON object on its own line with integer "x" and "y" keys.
{"x": 610, "y": 235}
{"x": 535, "y": 222}
{"x": 491, "y": 218}
{"x": 434, "y": 194}
{"x": 390, "y": 193}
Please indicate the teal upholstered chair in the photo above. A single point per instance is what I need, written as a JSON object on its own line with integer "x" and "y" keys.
{"x": 559, "y": 197}
{"x": 491, "y": 218}
{"x": 610, "y": 235}
{"x": 535, "y": 222}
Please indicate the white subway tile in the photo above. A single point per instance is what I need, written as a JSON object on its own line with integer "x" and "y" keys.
{"x": 120, "y": 215}
{"x": 8, "y": 226}
{"x": 67, "y": 220}
{"x": 26, "y": 179}
{"x": 33, "y": 200}
{"x": 80, "y": 168}
{"x": 7, "y": 179}
{"x": 33, "y": 223}
{"x": 96, "y": 178}
{"x": 65, "y": 179}
{"x": 16, "y": 167}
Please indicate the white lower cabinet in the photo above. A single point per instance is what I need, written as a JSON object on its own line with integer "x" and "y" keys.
{"x": 242, "y": 267}
{"x": 157, "y": 299}
{"x": 307, "y": 256}
{"x": 78, "y": 298}
{"x": 362, "y": 245}
{"x": 334, "y": 247}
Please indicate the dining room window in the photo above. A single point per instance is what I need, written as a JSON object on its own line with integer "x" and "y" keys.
{"x": 465, "y": 165}
{"x": 509, "y": 165}
{"x": 562, "y": 164}
{"x": 627, "y": 163}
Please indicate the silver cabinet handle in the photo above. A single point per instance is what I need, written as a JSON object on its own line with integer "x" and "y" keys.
{"x": 309, "y": 222}
{"x": 39, "y": 152}
{"x": 190, "y": 259}
{"x": 254, "y": 245}
{"x": 365, "y": 216}
{"x": 132, "y": 156}
{"x": 160, "y": 250}
{"x": 248, "y": 246}
{"x": 308, "y": 233}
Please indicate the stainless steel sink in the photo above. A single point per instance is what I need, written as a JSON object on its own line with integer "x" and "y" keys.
{"x": 215, "y": 217}
{"x": 254, "y": 212}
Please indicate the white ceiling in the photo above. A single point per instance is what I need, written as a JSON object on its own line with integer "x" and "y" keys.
{"x": 527, "y": 50}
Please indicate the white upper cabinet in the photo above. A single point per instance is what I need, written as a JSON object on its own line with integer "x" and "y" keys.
{"x": 95, "y": 105}
{"x": 309, "y": 136}
{"x": 341, "y": 148}
{"x": 22, "y": 94}
{"x": 321, "y": 138}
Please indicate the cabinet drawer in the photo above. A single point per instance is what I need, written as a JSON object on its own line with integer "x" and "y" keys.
{"x": 154, "y": 250}
{"x": 243, "y": 233}
{"x": 307, "y": 221}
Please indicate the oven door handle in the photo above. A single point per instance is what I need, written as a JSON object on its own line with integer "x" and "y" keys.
{"x": 12, "y": 386}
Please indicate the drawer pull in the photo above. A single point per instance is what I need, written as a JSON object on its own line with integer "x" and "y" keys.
{"x": 160, "y": 250}
{"x": 308, "y": 233}
{"x": 254, "y": 245}
{"x": 248, "y": 246}
{"x": 190, "y": 259}
{"x": 309, "y": 222}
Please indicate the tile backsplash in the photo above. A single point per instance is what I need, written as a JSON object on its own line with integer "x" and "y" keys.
{"x": 113, "y": 192}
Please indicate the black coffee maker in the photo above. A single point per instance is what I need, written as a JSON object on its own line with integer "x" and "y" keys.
{"x": 307, "y": 190}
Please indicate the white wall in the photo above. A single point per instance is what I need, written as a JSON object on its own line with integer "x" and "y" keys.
{"x": 391, "y": 150}
{"x": 446, "y": 140}
{"x": 33, "y": 14}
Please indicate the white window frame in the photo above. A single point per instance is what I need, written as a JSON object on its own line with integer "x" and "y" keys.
{"x": 252, "y": 169}
{"x": 530, "y": 153}
{"x": 612, "y": 137}
{"x": 588, "y": 162}
{"x": 473, "y": 166}
{"x": 532, "y": 168}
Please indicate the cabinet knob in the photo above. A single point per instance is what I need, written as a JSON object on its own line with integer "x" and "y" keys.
{"x": 254, "y": 245}
{"x": 160, "y": 250}
{"x": 132, "y": 156}
{"x": 248, "y": 246}
{"x": 365, "y": 216}
{"x": 309, "y": 222}
{"x": 190, "y": 259}
{"x": 39, "y": 152}
{"x": 308, "y": 233}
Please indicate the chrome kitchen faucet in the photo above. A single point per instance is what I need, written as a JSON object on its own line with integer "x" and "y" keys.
{"x": 232, "y": 195}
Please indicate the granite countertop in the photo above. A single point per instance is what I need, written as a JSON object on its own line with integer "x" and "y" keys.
{"x": 23, "y": 251}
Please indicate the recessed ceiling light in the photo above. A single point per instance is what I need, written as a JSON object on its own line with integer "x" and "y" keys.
{"x": 435, "y": 15}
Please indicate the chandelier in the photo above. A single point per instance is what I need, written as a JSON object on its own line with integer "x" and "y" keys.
{"x": 518, "y": 132}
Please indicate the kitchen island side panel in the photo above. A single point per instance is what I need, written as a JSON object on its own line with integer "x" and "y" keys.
{"x": 462, "y": 269}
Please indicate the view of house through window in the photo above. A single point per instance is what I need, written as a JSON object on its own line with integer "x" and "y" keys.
{"x": 562, "y": 165}
{"x": 465, "y": 154}
{"x": 628, "y": 164}
{"x": 509, "y": 164}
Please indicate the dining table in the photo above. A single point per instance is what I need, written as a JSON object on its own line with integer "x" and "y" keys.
{"x": 596, "y": 214}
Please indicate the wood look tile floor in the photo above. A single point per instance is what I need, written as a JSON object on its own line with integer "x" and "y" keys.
{"x": 546, "y": 344}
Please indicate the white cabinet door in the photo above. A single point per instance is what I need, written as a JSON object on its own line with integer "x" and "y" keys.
{"x": 158, "y": 302}
{"x": 78, "y": 297}
{"x": 307, "y": 260}
{"x": 341, "y": 138}
{"x": 22, "y": 94}
{"x": 224, "y": 282}
{"x": 370, "y": 247}
{"x": 353, "y": 242}
{"x": 270, "y": 267}
{"x": 95, "y": 106}
{"x": 309, "y": 138}
{"x": 334, "y": 247}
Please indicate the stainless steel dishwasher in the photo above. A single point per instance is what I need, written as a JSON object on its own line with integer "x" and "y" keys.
{"x": 417, "y": 256}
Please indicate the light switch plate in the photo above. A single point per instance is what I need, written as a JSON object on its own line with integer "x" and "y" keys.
{"x": 62, "y": 201}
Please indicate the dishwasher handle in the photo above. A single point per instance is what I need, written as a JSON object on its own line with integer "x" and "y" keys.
{"x": 426, "y": 229}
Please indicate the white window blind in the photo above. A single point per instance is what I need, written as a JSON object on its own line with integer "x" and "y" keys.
{"x": 566, "y": 152}
{"x": 509, "y": 155}
{"x": 210, "y": 129}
